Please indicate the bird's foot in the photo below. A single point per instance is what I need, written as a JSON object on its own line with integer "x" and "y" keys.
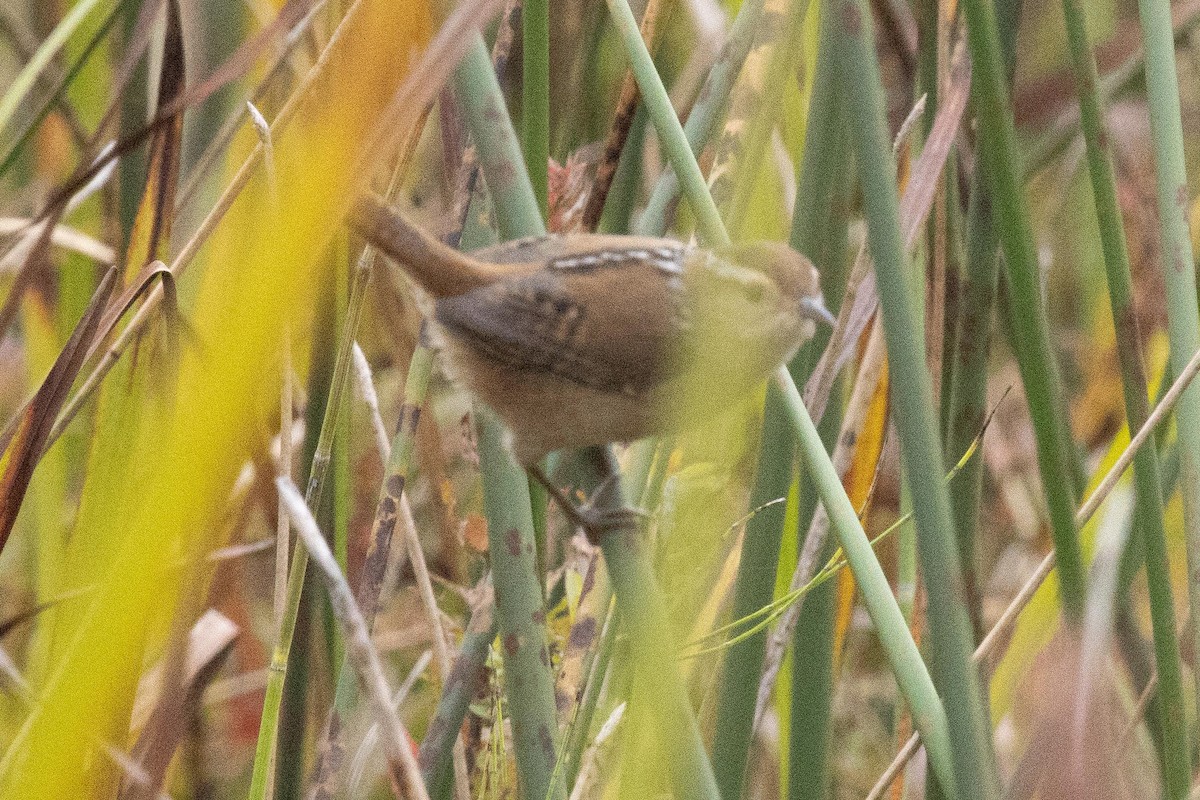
{"x": 596, "y": 517}
{"x": 597, "y": 522}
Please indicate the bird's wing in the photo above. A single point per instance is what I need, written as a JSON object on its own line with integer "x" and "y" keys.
{"x": 554, "y": 320}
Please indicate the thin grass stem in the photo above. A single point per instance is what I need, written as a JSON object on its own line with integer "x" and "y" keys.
{"x": 1178, "y": 267}
{"x": 969, "y": 735}
{"x": 1031, "y": 339}
{"x": 902, "y": 651}
{"x": 1175, "y": 761}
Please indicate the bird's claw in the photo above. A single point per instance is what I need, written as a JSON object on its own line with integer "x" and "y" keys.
{"x": 598, "y": 521}
{"x": 596, "y": 517}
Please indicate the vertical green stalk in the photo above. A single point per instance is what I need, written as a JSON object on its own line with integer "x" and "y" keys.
{"x": 810, "y": 234}
{"x": 968, "y": 390}
{"x": 341, "y": 456}
{"x": 955, "y": 225}
{"x": 535, "y": 94}
{"x": 641, "y": 604}
{"x": 529, "y": 683}
{"x": 1147, "y": 479}
{"x": 465, "y": 680}
{"x": 1178, "y": 266}
{"x": 965, "y": 389}
{"x": 810, "y": 729}
{"x": 916, "y": 416}
{"x": 585, "y": 711}
{"x": 809, "y": 768}
{"x": 925, "y": 14}
{"x": 277, "y": 672}
{"x": 644, "y": 470}
{"x": 703, "y": 119}
{"x": 753, "y": 590}
{"x": 500, "y": 155}
{"x": 826, "y": 156}
{"x": 905, "y": 658}
{"x": 1000, "y": 162}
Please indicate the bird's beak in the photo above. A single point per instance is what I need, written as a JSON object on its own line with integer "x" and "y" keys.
{"x": 813, "y": 308}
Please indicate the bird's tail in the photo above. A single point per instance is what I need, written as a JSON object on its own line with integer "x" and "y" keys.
{"x": 439, "y": 270}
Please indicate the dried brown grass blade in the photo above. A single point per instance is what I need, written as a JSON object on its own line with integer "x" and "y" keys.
{"x": 914, "y": 208}
{"x": 209, "y": 643}
{"x": 108, "y": 321}
{"x": 403, "y": 769}
{"x": 24, "y": 443}
{"x": 151, "y": 232}
{"x": 231, "y": 70}
{"x": 234, "y": 67}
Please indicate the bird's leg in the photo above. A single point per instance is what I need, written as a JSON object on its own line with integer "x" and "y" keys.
{"x": 599, "y": 515}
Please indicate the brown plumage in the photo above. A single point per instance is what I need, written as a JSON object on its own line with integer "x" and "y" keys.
{"x": 589, "y": 339}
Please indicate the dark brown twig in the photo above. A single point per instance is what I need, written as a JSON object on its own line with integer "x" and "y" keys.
{"x": 618, "y": 131}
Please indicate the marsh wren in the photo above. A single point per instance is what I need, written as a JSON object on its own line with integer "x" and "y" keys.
{"x": 589, "y": 339}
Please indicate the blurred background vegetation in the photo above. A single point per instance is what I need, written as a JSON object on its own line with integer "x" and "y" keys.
{"x": 187, "y": 328}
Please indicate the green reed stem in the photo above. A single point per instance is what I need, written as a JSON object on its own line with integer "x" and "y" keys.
{"x": 1178, "y": 266}
{"x": 529, "y": 683}
{"x": 277, "y": 671}
{"x": 965, "y": 390}
{"x": 1175, "y": 761}
{"x": 969, "y": 735}
{"x": 902, "y": 651}
{"x": 1001, "y": 165}
{"x": 755, "y": 584}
